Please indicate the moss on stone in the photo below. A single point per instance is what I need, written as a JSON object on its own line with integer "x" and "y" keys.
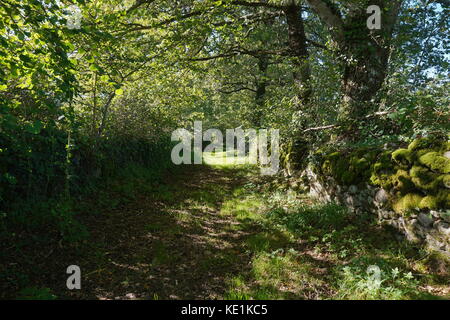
{"x": 447, "y": 201}
{"x": 415, "y": 177}
{"x": 401, "y": 182}
{"x": 347, "y": 178}
{"x": 382, "y": 170}
{"x": 341, "y": 171}
{"x": 333, "y": 155}
{"x": 360, "y": 164}
{"x": 433, "y": 202}
{"x": 407, "y": 203}
{"x": 383, "y": 180}
{"x": 402, "y": 157}
{"x": 419, "y": 143}
{"x": 446, "y": 180}
{"x": 346, "y": 169}
{"x": 444, "y": 198}
{"x": 433, "y": 142}
{"x": 417, "y": 154}
{"x": 429, "y": 202}
{"x": 436, "y": 162}
{"x": 424, "y": 179}
{"x": 326, "y": 167}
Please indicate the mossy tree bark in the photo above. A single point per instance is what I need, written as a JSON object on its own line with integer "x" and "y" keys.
{"x": 364, "y": 54}
{"x": 299, "y": 53}
{"x": 261, "y": 86}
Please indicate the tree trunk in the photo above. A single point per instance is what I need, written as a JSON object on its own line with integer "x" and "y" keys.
{"x": 299, "y": 52}
{"x": 365, "y": 66}
{"x": 364, "y": 54}
{"x": 260, "y": 95}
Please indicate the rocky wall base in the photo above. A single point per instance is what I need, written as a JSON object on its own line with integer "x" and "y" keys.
{"x": 428, "y": 227}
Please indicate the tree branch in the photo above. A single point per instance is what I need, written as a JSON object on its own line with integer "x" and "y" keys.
{"x": 237, "y": 51}
{"x": 316, "y": 44}
{"x": 256, "y": 4}
{"x": 320, "y": 128}
{"x": 236, "y": 90}
{"x": 333, "y": 126}
{"x": 218, "y": 56}
{"x": 330, "y": 17}
{"x": 165, "y": 22}
{"x": 139, "y": 3}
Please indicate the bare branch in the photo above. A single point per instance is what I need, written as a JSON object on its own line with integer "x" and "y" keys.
{"x": 334, "y": 126}
{"x": 320, "y": 128}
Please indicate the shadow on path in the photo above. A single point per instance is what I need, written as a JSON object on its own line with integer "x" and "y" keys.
{"x": 173, "y": 243}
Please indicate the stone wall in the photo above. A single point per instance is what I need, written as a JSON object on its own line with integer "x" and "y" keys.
{"x": 387, "y": 184}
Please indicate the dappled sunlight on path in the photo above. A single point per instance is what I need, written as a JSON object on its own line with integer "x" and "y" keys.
{"x": 221, "y": 231}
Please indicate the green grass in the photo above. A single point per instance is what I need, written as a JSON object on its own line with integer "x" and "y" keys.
{"x": 268, "y": 242}
{"x": 224, "y": 159}
{"x": 243, "y": 206}
{"x": 302, "y": 250}
{"x": 34, "y": 293}
{"x": 275, "y": 275}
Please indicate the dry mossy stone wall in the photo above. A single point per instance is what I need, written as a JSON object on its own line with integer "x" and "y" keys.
{"x": 408, "y": 188}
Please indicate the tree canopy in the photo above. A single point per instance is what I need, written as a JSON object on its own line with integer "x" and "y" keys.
{"x": 91, "y": 91}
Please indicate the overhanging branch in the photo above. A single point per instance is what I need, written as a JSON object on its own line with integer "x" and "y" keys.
{"x": 330, "y": 17}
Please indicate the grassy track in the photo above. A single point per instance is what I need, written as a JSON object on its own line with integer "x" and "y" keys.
{"x": 221, "y": 231}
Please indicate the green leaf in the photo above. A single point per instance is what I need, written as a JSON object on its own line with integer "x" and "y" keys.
{"x": 94, "y": 67}
{"x": 34, "y": 128}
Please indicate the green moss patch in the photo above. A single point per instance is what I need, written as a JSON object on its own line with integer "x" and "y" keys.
{"x": 401, "y": 182}
{"x": 382, "y": 170}
{"x": 407, "y": 203}
{"x": 418, "y": 174}
{"x": 350, "y": 167}
{"x": 433, "y": 142}
{"x": 424, "y": 179}
{"x": 436, "y": 162}
{"x": 403, "y": 157}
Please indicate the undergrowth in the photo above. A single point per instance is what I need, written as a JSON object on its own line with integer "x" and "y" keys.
{"x": 328, "y": 253}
